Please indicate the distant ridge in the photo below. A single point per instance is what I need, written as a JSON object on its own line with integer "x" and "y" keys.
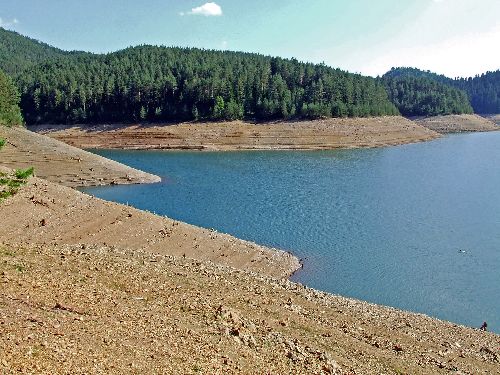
{"x": 418, "y": 93}
{"x": 483, "y": 90}
{"x": 154, "y": 84}
{"x": 18, "y": 52}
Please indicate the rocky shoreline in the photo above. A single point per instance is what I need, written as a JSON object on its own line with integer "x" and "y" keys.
{"x": 91, "y": 286}
{"x": 45, "y": 212}
{"x": 458, "y": 123}
{"x": 96, "y": 309}
{"x": 64, "y": 164}
{"x": 237, "y": 135}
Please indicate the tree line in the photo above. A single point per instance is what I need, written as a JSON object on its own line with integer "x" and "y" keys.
{"x": 421, "y": 96}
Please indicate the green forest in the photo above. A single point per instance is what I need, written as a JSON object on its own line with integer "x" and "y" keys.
{"x": 148, "y": 83}
{"x": 483, "y": 91}
{"x": 421, "y": 96}
{"x": 157, "y": 84}
{"x": 10, "y": 113}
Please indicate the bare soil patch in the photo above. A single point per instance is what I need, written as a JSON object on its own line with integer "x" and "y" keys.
{"x": 238, "y": 135}
{"x": 457, "y": 123}
{"x": 64, "y": 164}
{"x": 104, "y": 310}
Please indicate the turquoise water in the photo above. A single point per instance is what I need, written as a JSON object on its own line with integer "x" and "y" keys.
{"x": 416, "y": 226}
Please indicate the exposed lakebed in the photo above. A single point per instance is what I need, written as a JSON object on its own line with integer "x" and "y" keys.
{"x": 416, "y": 227}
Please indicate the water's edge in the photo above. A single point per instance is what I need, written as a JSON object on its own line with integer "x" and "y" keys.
{"x": 412, "y": 226}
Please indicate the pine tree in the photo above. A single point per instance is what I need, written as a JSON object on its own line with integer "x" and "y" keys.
{"x": 10, "y": 113}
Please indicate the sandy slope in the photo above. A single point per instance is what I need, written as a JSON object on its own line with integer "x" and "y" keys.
{"x": 43, "y": 212}
{"x": 103, "y": 310}
{"x": 64, "y": 164}
{"x": 457, "y": 123}
{"x": 494, "y": 118}
{"x": 237, "y": 135}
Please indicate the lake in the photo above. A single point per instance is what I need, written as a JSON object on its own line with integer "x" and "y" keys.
{"x": 416, "y": 227}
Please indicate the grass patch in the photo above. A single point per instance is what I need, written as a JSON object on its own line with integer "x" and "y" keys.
{"x": 23, "y": 174}
{"x": 10, "y": 184}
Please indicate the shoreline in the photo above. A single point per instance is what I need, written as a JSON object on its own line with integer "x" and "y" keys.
{"x": 244, "y": 322}
{"x": 46, "y": 212}
{"x": 237, "y": 135}
{"x": 459, "y": 123}
{"x": 65, "y": 164}
{"x": 90, "y": 285}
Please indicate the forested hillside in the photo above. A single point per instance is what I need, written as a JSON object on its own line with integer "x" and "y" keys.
{"x": 417, "y": 73}
{"x": 421, "y": 96}
{"x": 10, "y": 113}
{"x": 149, "y": 83}
{"x": 18, "y": 52}
{"x": 483, "y": 90}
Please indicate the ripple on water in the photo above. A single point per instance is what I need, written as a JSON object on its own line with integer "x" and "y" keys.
{"x": 384, "y": 225}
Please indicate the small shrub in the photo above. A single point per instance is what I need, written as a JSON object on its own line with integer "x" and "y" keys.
{"x": 23, "y": 174}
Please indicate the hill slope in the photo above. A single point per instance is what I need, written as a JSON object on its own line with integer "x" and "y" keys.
{"x": 10, "y": 113}
{"x": 420, "y": 95}
{"x": 18, "y": 52}
{"x": 149, "y": 83}
{"x": 483, "y": 90}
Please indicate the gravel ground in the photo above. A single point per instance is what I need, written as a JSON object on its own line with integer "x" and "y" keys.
{"x": 104, "y": 310}
{"x": 457, "y": 123}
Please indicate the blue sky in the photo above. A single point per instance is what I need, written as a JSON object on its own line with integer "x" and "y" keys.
{"x": 453, "y": 37}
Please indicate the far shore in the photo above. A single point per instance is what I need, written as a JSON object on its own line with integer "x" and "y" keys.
{"x": 238, "y": 135}
{"x": 459, "y": 123}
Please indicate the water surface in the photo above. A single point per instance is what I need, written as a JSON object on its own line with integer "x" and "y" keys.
{"x": 416, "y": 226}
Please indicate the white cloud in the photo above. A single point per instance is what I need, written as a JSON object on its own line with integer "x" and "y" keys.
{"x": 207, "y": 10}
{"x": 8, "y": 23}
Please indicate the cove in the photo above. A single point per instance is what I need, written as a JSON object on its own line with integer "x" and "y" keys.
{"x": 415, "y": 227}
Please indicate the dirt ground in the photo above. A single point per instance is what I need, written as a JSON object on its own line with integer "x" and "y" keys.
{"x": 101, "y": 310}
{"x": 494, "y": 118}
{"x": 43, "y": 212}
{"x": 60, "y": 163}
{"x": 237, "y": 135}
{"x": 457, "y": 123}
